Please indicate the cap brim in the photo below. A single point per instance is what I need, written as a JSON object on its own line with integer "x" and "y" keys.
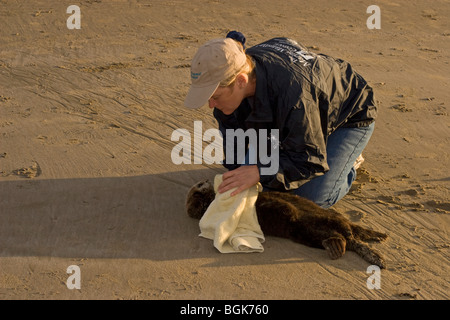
{"x": 199, "y": 96}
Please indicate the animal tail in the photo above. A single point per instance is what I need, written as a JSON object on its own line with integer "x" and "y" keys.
{"x": 367, "y": 253}
{"x": 364, "y": 234}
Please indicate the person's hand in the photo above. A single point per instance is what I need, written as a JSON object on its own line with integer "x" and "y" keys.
{"x": 241, "y": 178}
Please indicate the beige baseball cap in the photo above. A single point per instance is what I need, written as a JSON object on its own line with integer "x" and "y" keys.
{"x": 214, "y": 62}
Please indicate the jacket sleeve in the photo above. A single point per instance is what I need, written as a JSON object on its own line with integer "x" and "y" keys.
{"x": 302, "y": 149}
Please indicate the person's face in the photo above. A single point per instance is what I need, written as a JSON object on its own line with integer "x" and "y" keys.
{"x": 227, "y": 99}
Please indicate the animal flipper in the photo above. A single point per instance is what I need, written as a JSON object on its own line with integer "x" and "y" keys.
{"x": 364, "y": 234}
{"x": 367, "y": 253}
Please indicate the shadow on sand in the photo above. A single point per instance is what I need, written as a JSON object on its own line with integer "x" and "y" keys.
{"x": 140, "y": 217}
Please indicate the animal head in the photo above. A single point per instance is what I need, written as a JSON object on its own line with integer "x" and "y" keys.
{"x": 199, "y": 198}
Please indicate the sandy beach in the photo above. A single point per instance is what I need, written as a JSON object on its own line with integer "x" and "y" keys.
{"x": 87, "y": 180}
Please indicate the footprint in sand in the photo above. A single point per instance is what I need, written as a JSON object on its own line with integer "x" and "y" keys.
{"x": 439, "y": 206}
{"x": 30, "y": 172}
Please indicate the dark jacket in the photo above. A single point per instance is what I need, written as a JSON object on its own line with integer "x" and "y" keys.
{"x": 306, "y": 96}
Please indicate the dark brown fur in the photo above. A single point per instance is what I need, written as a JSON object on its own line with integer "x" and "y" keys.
{"x": 285, "y": 215}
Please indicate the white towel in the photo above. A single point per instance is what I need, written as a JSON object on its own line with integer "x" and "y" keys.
{"x": 232, "y": 221}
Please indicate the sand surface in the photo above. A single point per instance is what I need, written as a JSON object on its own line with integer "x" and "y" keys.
{"x": 86, "y": 176}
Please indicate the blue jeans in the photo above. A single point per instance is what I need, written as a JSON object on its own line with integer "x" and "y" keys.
{"x": 343, "y": 147}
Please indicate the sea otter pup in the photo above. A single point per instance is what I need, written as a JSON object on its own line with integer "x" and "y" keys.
{"x": 289, "y": 216}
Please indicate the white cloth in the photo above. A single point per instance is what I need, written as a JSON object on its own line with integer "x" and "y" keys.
{"x": 232, "y": 221}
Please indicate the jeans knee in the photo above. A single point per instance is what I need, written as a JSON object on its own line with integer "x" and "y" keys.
{"x": 319, "y": 198}
{"x": 326, "y": 203}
